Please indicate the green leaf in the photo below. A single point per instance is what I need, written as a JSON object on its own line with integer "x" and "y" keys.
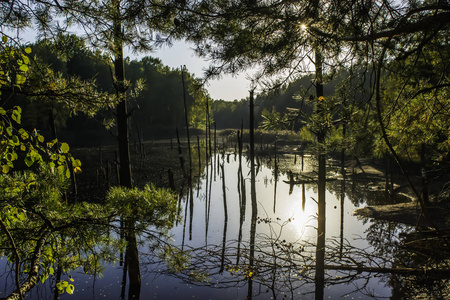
{"x": 61, "y": 169}
{"x": 22, "y": 216}
{"x": 2, "y": 111}
{"x": 16, "y": 115}
{"x": 70, "y": 289}
{"x": 4, "y": 39}
{"x": 9, "y": 157}
{"x": 76, "y": 163}
{"x": 67, "y": 173}
{"x": 28, "y": 161}
{"x": 64, "y": 147}
{"x": 23, "y": 68}
{"x": 27, "y": 50}
{"x": 26, "y": 60}
{"x": 5, "y": 169}
{"x": 9, "y": 130}
{"x": 23, "y": 134}
{"x": 44, "y": 278}
{"x": 20, "y": 79}
{"x": 15, "y": 140}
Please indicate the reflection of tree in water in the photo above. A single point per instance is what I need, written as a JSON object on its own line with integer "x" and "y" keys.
{"x": 280, "y": 267}
{"x": 53, "y": 240}
{"x": 288, "y": 268}
{"x": 414, "y": 250}
{"x": 362, "y": 192}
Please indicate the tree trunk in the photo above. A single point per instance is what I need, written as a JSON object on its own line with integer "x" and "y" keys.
{"x": 320, "y": 250}
{"x": 121, "y": 113}
{"x": 187, "y": 128}
{"x": 132, "y": 261}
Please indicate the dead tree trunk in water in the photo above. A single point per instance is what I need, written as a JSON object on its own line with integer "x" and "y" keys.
{"x": 343, "y": 174}
{"x": 224, "y": 193}
{"x": 253, "y": 195}
{"x": 180, "y": 154}
{"x": 252, "y": 155}
{"x": 187, "y": 128}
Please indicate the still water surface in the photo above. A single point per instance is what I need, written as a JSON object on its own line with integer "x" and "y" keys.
{"x": 218, "y": 233}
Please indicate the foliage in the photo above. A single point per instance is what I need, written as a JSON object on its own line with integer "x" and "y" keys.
{"x": 150, "y": 205}
{"x": 273, "y": 120}
{"x": 41, "y": 232}
{"x": 17, "y": 141}
{"x": 30, "y": 200}
{"x": 416, "y": 104}
{"x": 230, "y": 114}
{"x": 73, "y": 82}
{"x": 14, "y": 64}
{"x": 61, "y": 235}
{"x": 278, "y": 37}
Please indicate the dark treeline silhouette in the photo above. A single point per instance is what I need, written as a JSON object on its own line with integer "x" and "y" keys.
{"x": 156, "y": 96}
{"x": 296, "y": 95}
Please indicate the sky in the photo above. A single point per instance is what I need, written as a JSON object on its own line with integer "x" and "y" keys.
{"x": 181, "y": 53}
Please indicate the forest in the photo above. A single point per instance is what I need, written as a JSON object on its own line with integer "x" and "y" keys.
{"x": 122, "y": 176}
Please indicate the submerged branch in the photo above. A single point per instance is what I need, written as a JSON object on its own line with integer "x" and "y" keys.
{"x": 33, "y": 275}
{"x": 17, "y": 257}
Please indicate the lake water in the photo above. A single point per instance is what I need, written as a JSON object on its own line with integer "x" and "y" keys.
{"x": 279, "y": 264}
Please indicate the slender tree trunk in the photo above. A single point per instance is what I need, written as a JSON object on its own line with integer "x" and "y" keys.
{"x": 208, "y": 154}
{"x": 225, "y": 222}
{"x": 252, "y": 156}
{"x": 132, "y": 254}
{"x": 320, "y": 250}
{"x": 121, "y": 113}
{"x": 132, "y": 261}
{"x": 253, "y": 196}
{"x": 180, "y": 154}
{"x": 187, "y": 128}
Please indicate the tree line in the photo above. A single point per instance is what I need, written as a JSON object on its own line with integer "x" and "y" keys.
{"x": 156, "y": 94}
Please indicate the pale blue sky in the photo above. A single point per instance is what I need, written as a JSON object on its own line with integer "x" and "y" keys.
{"x": 180, "y": 53}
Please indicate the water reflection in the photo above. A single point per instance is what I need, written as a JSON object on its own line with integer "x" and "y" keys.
{"x": 261, "y": 250}
{"x": 283, "y": 241}
{"x": 132, "y": 263}
{"x": 275, "y": 251}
